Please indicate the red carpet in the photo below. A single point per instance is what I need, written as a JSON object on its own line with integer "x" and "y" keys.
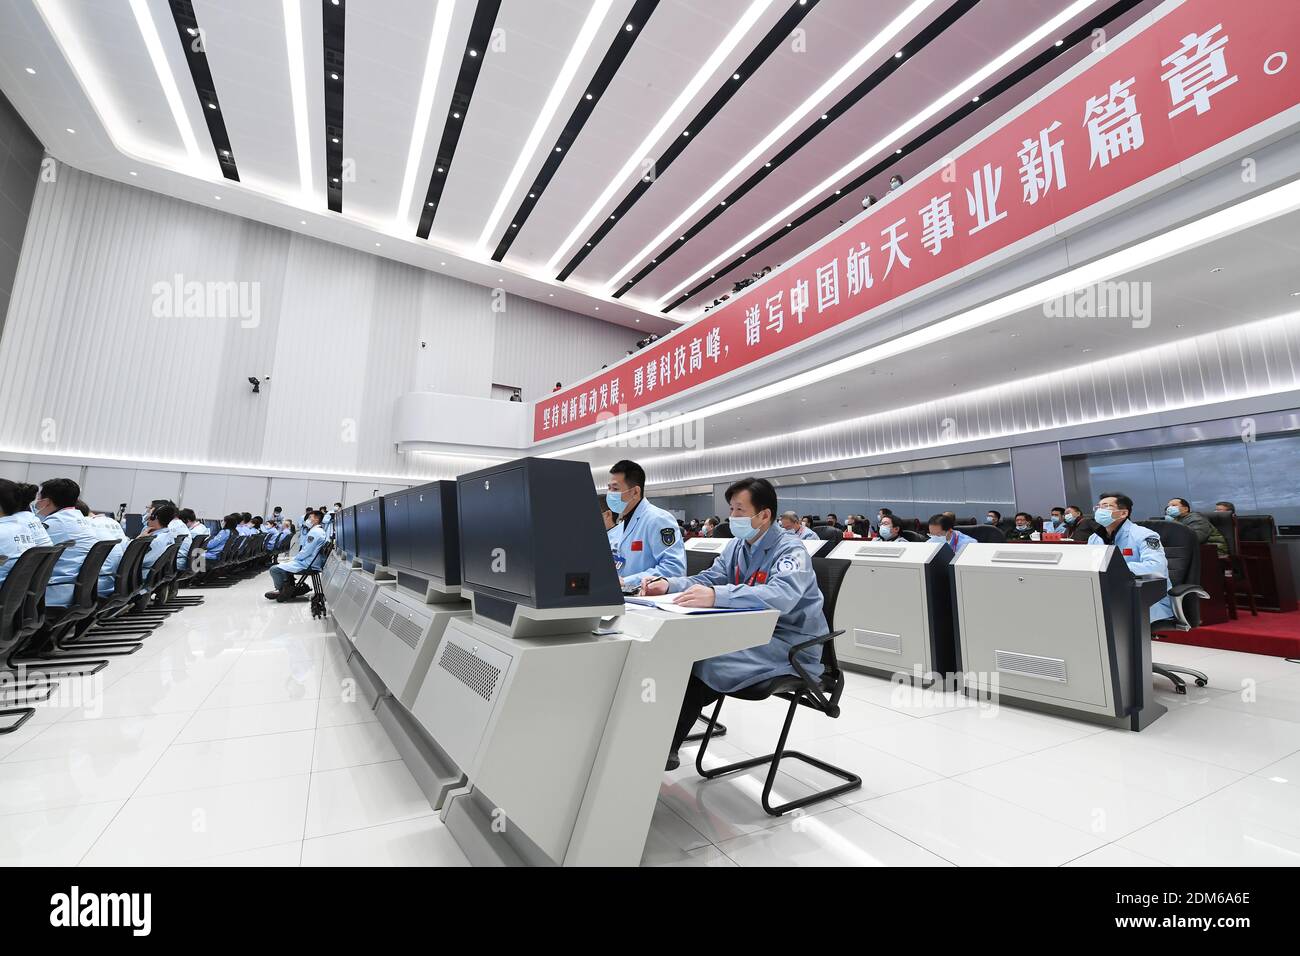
{"x": 1275, "y": 634}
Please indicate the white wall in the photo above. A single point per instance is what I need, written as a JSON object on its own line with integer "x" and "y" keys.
{"x": 88, "y": 368}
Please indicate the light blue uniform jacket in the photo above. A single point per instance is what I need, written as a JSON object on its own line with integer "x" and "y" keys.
{"x": 649, "y": 544}
{"x": 807, "y": 534}
{"x": 306, "y": 557}
{"x": 15, "y": 538}
{"x": 69, "y": 525}
{"x": 159, "y": 541}
{"x": 1140, "y": 548}
{"x": 774, "y": 572}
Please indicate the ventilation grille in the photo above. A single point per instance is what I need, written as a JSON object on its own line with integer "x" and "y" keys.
{"x": 381, "y": 614}
{"x": 1030, "y": 665}
{"x": 406, "y": 631}
{"x": 878, "y": 640}
{"x": 478, "y": 675}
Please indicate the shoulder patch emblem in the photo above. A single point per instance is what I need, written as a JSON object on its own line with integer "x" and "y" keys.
{"x": 668, "y": 536}
{"x": 789, "y": 564}
{"x": 1153, "y": 542}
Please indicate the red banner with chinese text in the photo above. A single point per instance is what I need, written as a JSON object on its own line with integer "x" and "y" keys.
{"x": 1202, "y": 74}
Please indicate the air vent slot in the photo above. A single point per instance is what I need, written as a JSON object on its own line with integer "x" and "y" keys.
{"x": 405, "y": 630}
{"x": 381, "y": 614}
{"x": 476, "y": 674}
{"x": 1030, "y": 665}
{"x": 878, "y": 640}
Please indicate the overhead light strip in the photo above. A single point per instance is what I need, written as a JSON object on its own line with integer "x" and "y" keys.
{"x": 298, "y": 92}
{"x": 584, "y": 107}
{"x": 476, "y": 49}
{"x": 333, "y": 42}
{"x": 811, "y": 106}
{"x": 171, "y": 91}
{"x": 666, "y": 122}
{"x": 1244, "y": 215}
{"x": 848, "y": 189}
{"x": 890, "y": 140}
{"x": 697, "y": 124}
{"x": 559, "y": 90}
{"x": 424, "y": 107}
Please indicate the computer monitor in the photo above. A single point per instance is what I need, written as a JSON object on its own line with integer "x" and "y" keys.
{"x": 421, "y": 531}
{"x": 529, "y": 537}
{"x": 370, "y": 533}
{"x": 345, "y": 531}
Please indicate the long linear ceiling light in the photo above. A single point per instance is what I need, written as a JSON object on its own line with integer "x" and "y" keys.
{"x": 760, "y": 149}
{"x": 773, "y": 40}
{"x": 559, "y": 90}
{"x": 298, "y": 91}
{"x": 424, "y": 107}
{"x": 172, "y": 92}
{"x": 1050, "y": 28}
{"x": 1244, "y": 215}
{"x": 729, "y": 43}
{"x": 333, "y": 56}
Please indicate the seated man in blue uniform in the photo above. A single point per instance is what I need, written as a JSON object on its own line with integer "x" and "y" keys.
{"x": 649, "y": 543}
{"x": 159, "y": 533}
{"x": 307, "y": 559}
{"x": 1140, "y": 546}
{"x": 761, "y": 567}
{"x": 790, "y": 522}
{"x": 56, "y": 504}
{"x": 941, "y": 529}
{"x": 16, "y": 533}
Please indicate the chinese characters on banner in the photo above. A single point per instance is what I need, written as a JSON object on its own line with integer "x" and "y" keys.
{"x": 1200, "y": 75}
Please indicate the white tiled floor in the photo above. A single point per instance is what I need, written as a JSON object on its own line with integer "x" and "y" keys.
{"x": 227, "y": 741}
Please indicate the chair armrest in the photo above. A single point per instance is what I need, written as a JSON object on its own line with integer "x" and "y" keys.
{"x": 814, "y": 687}
{"x": 1181, "y": 593}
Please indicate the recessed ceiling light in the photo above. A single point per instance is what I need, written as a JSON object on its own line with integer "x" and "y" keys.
{"x": 442, "y": 263}
{"x": 334, "y": 139}
{"x": 638, "y": 321}
{"x": 768, "y": 165}
{"x": 597, "y": 308}
{"x": 473, "y": 52}
{"x": 1217, "y": 269}
{"x": 558, "y": 149}
{"x": 218, "y": 198}
{"x": 302, "y": 222}
{"x": 334, "y": 76}
{"x": 429, "y": 204}
{"x": 71, "y": 130}
{"x": 550, "y": 295}
{"x": 192, "y": 31}
{"x": 735, "y": 76}
{"x": 974, "y": 99}
{"x": 376, "y": 245}
{"x": 1295, "y": 293}
{"x": 898, "y": 152}
{"x": 440, "y": 169}
{"x": 1060, "y": 43}
{"x": 824, "y": 116}
{"x": 898, "y": 55}
{"x": 336, "y": 179}
{"x": 455, "y": 116}
{"x": 687, "y": 133}
{"x": 212, "y": 106}
{"x": 31, "y": 71}
{"x": 628, "y": 28}
{"x": 134, "y": 173}
{"x": 589, "y": 96}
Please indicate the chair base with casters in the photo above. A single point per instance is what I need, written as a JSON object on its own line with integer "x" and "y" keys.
{"x": 1179, "y": 623}
{"x": 800, "y": 689}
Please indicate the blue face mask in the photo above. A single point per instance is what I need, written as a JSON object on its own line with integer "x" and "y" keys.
{"x": 988, "y": 519}
{"x": 1069, "y": 519}
{"x": 615, "y": 501}
{"x": 1173, "y": 511}
{"x": 742, "y": 527}
{"x": 1103, "y": 517}
{"x": 886, "y": 532}
{"x": 937, "y": 538}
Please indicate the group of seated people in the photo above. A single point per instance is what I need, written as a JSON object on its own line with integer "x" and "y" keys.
{"x": 54, "y": 512}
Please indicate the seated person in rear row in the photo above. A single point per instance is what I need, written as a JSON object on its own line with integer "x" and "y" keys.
{"x": 307, "y": 559}
{"x": 1024, "y": 529}
{"x": 16, "y": 532}
{"x": 159, "y": 534}
{"x": 763, "y": 566}
{"x": 941, "y": 529}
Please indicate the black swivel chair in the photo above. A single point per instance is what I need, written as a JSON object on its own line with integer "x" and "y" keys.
{"x": 36, "y": 618}
{"x": 1235, "y": 567}
{"x": 800, "y": 689}
{"x": 985, "y": 533}
{"x": 112, "y": 619}
{"x": 13, "y": 612}
{"x": 913, "y": 536}
{"x": 185, "y": 576}
{"x": 53, "y": 642}
{"x": 1183, "y": 552}
{"x": 697, "y": 562}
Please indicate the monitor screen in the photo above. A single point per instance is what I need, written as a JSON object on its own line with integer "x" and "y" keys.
{"x": 421, "y": 530}
{"x": 345, "y": 531}
{"x": 529, "y": 536}
{"x": 370, "y": 531}
{"x": 495, "y": 524}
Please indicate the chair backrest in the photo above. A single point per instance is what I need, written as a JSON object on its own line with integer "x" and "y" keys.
{"x": 827, "y": 533}
{"x": 34, "y": 607}
{"x": 233, "y": 544}
{"x": 1256, "y": 528}
{"x": 13, "y": 593}
{"x": 1086, "y": 528}
{"x": 1226, "y": 522}
{"x": 85, "y": 590}
{"x": 1182, "y": 550}
{"x": 322, "y": 556}
{"x": 985, "y": 533}
{"x": 200, "y": 543}
{"x": 127, "y": 578}
{"x": 830, "y": 576}
{"x": 911, "y": 535}
{"x": 158, "y": 571}
{"x": 698, "y": 562}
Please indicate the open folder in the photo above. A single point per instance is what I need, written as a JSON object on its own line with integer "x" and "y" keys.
{"x": 664, "y": 602}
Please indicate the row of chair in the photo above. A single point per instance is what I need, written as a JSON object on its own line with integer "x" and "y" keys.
{"x": 40, "y": 643}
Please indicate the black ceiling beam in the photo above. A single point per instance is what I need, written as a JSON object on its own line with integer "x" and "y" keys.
{"x": 192, "y": 42}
